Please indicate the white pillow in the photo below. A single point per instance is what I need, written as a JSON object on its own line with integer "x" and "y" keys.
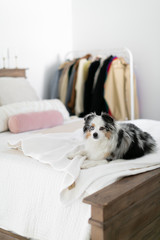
{"x": 30, "y": 106}
{"x": 16, "y": 90}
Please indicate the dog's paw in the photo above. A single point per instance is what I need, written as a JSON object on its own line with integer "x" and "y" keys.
{"x": 90, "y": 163}
{"x": 70, "y": 156}
{"x": 109, "y": 159}
{"x": 82, "y": 153}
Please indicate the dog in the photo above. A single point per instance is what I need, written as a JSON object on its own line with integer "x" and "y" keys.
{"x": 107, "y": 139}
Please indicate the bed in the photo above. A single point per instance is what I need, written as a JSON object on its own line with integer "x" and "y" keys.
{"x": 124, "y": 207}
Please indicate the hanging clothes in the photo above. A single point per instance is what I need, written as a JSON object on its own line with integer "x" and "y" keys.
{"x": 97, "y": 72}
{"x": 117, "y": 90}
{"x": 70, "y": 86}
{"x": 71, "y": 103}
{"x": 98, "y": 102}
{"x": 97, "y": 85}
{"x": 63, "y": 82}
{"x": 81, "y": 79}
{"x": 87, "y": 101}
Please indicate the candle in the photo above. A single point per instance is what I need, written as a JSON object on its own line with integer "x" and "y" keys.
{"x": 16, "y": 62}
{"x": 8, "y": 57}
{"x": 16, "y": 58}
{"x": 4, "y": 62}
{"x": 3, "y": 59}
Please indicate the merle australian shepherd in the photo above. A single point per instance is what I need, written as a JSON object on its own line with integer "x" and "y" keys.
{"x": 108, "y": 139}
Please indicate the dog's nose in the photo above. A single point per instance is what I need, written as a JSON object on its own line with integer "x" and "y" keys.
{"x": 95, "y": 135}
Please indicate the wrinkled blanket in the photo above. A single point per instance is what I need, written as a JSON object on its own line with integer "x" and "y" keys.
{"x": 78, "y": 177}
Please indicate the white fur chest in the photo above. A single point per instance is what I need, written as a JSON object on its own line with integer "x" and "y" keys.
{"x": 98, "y": 149}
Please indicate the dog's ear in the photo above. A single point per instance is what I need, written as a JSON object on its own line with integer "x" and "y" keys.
{"x": 87, "y": 120}
{"x": 89, "y": 117}
{"x": 107, "y": 118}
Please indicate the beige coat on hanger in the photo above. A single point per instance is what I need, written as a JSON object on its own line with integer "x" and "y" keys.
{"x": 117, "y": 90}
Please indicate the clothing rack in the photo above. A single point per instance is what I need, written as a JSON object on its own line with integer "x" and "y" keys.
{"x": 119, "y": 52}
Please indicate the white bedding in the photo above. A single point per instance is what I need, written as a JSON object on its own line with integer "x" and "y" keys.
{"x": 30, "y": 202}
{"x": 29, "y": 199}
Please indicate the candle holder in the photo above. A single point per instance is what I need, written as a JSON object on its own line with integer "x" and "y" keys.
{"x": 4, "y": 59}
{"x": 16, "y": 61}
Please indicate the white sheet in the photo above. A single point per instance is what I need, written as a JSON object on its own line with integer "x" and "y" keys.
{"x": 29, "y": 198}
{"x": 30, "y": 191}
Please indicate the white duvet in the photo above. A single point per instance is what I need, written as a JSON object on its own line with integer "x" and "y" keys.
{"x": 34, "y": 178}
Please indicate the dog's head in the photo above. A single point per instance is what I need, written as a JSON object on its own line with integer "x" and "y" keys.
{"x": 98, "y": 127}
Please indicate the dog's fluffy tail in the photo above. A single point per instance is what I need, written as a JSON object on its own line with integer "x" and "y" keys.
{"x": 149, "y": 142}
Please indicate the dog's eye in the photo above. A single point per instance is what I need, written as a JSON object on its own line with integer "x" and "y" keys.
{"x": 91, "y": 128}
{"x": 101, "y": 128}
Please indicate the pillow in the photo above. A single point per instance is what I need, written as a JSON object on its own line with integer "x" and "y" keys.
{"x": 36, "y": 120}
{"x": 9, "y": 110}
{"x": 16, "y": 90}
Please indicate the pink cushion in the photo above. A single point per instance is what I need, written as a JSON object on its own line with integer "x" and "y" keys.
{"x": 35, "y": 120}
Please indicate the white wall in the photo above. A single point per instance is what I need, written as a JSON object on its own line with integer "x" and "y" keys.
{"x": 100, "y": 24}
{"x": 39, "y": 32}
